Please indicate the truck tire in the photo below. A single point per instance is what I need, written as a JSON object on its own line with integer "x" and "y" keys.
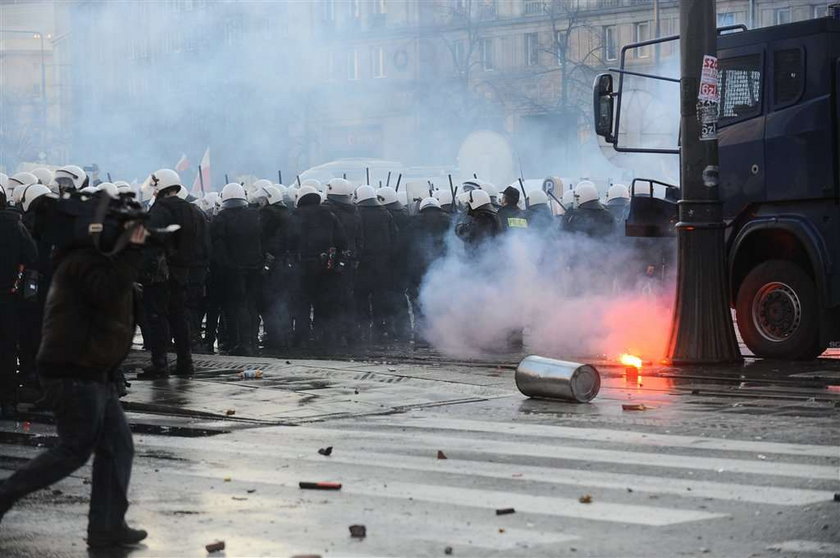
{"x": 778, "y": 312}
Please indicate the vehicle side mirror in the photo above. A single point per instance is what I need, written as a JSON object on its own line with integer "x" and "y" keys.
{"x": 603, "y": 102}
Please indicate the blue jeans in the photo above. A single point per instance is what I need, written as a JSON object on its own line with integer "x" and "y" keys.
{"x": 89, "y": 420}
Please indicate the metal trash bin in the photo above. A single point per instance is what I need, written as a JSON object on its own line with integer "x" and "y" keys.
{"x": 547, "y": 378}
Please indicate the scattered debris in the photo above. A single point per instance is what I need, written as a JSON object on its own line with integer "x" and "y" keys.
{"x": 629, "y": 490}
{"x": 634, "y": 407}
{"x": 837, "y": 496}
{"x": 306, "y": 556}
{"x": 501, "y": 529}
{"x": 230, "y": 412}
{"x": 57, "y": 492}
{"x": 326, "y": 451}
{"x": 358, "y": 531}
{"x": 695, "y": 392}
{"x": 447, "y": 550}
{"x": 227, "y": 479}
{"x": 251, "y": 490}
{"x": 356, "y": 391}
{"x": 392, "y": 370}
{"x": 251, "y": 374}
{"x": 320, "y": 485}
{"x": 762, "y": 457}
{"x": 238, "y": 498}
{"x": 441, "y": 455}
{"x": 505, "y": 511}
{"x": 215, "y": 546}
{"x": 585, "y": 499}
{"x": 517, "y": 475}
{"x": 288, "y": 362}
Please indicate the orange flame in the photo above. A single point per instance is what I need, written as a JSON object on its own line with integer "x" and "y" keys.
{"x": 630, "y": 360}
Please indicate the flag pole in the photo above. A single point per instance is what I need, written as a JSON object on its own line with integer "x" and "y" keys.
{"x": 201, "y": 179}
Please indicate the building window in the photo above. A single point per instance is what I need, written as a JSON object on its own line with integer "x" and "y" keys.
{"x": 354, "y": 9}
{"x": 460, "y": 54}
{"x": 781, "y": 16}
{"x": 380, "y": 6}
{"x": 610, "y": 43}
{"x": 487, "y": 59}
{"x": 533, "y": 7}
{"x": 642, "y": 33}
{"x": 559, "y": 50}
{"x": 820, "y": 10}
{"x": 725, "y": 18}
{"x": 532, "y": 49}
{"x": 353, "y": 65}
{"x": 377, "y": 62}
{"x": 329, "y": 10}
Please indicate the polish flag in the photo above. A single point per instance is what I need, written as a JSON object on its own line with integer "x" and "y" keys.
{"x": 204, "y": 173}
{"x": 182, "y": 164}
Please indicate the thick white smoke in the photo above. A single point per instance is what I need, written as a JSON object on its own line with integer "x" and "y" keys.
{"x": 569, "y": 295}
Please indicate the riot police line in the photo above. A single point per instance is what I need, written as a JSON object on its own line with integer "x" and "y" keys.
{"x": 269, "y": 268}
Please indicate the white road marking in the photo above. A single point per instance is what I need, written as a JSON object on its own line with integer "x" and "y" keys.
{"x": 812, "y": 547}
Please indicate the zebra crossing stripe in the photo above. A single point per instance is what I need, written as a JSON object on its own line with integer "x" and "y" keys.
{"x": 654, "y": 459}
{"x": 605, "y": 435}
{"x": 477, "y": 498}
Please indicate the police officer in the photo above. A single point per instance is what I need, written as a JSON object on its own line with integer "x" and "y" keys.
{"x": 237, "y": 251}
{"x": 398, "y": 317}
{"x": 618, "y": 202}
{"x": 172, "y": 270}
{"x": 379, "y": 235}
{"x": 590, "y": 217}
{"x": 70, "y": 178}
{"x": 538, "y": 213}
{"x": 427, "y": 234}
{"x": 17, "y": 251}
{"x": 320, "y": 242}
{"x": 510, "y": 215}
{"x": 278, "y": 243}
{"x": 480, "y": 223}
{"x": 340, "y": 202}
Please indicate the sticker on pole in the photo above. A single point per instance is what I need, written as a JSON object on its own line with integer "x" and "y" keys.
{"x": 709, "y": 87}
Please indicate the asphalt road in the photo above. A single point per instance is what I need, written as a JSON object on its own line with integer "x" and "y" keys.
{"x": 740, "y": 461}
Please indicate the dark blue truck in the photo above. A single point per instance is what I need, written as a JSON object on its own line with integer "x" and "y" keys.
{"x": 778, "y": 128}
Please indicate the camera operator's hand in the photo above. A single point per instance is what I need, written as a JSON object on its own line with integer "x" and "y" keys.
{"x": 138, "y": 236}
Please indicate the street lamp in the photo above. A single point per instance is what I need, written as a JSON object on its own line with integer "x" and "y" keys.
{"x": 40, "y": 36}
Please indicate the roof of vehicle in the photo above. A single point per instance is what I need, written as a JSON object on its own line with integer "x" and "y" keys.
{"x": 779, "y": 32}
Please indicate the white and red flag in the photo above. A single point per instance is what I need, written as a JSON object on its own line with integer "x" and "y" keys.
{"x": 202, "y": 182}
{"x": 182, "y": 164}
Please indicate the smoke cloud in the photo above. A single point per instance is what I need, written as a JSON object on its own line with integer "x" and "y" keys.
{"x": 568, "y": 295}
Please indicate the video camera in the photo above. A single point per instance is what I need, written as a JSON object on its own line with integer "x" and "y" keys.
{"x": 100, "y": 221}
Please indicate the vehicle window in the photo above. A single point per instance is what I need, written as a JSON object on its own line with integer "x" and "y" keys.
{"x": 788, "y": 75}
{"x": 740, "y": 82}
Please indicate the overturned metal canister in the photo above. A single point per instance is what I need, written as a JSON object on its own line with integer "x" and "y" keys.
{"x": 547, "y": 378}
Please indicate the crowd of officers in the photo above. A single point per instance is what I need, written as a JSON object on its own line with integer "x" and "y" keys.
{"x": 323, "y": 266}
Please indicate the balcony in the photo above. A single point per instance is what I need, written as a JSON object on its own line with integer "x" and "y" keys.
{"x": 533, "y": 7}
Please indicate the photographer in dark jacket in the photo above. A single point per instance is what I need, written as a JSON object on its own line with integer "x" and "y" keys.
{"x": 17, "y": 251}
{"x": 88, "y": 330}
{"x": 170, "y": 270}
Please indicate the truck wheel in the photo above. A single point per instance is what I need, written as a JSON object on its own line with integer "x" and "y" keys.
{"x": 777, "y": 311}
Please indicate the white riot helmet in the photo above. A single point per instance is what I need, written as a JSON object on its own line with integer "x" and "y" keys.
{"x": 444, "y": 197}
{"x": 109, "y": 188}
{"x": 491, "y": 190}
{"x": 123, "y": 187}
{"x": 258, "y": 191}
{"x": 470, "y": 185}
{"x": 211, "y": 200}
{"x": 89, "y": 190}
{"x": 617, "y": 191}
{"x": 477, "y": 198}
{"x": 305, "y": 191}
{"x": 429, "y": 202}
{"x": 585, "y": 191}
{"x": 364, "y": 193}
{"x": 31, "y": 193}
{"x": 339, "y": 187}
{"x": 70, "y": 177}
{"x": 313, "y": 183}
{"x": 568, "y": 199}
{"x": 44, "y": 175}
{"x": 22, "y": 179}
{"x": 233, "y": 191}
{"x": 273, "y": 195}
{"x": 163, "y": 179}
{"x": 537, "y": 197}
{"x": 387, "y": 195}
{"x": 183, "y": 193}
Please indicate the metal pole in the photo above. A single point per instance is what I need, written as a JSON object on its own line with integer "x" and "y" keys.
{"x": 657, "y": 30}
{"x": 701, "y": 329}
